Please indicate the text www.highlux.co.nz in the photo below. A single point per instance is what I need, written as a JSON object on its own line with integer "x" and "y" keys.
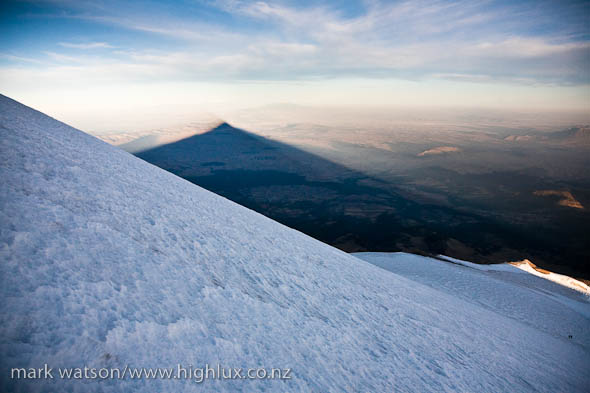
{"x": 197, "y": 374}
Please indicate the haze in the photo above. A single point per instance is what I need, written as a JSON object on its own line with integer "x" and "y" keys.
{"x": 143, "y": 65}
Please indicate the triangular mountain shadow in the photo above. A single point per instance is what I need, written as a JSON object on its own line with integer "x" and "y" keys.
{"x": 330, "y": 202}
{"x": 226, "y": 148}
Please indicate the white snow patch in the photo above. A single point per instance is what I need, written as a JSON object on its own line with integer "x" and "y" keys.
{"x": 501, "y": 288}
{"x": 498, "y": 267}
{"x": 561, "y": 279}
{"x": 525, "y": 266}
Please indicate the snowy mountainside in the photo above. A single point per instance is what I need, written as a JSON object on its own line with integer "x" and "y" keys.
{"x": 525, "y": 266}
{"x": 503, "y": 288}
{"x": 108, "y": 261}
{"x": 561, "y": 279}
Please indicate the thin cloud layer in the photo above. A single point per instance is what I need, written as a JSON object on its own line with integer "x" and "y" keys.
{"x": 540, "y": 43}
{"x": 88, "y": 45}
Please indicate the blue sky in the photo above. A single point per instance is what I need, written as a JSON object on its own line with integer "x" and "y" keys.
{"x": 488, "y": 53}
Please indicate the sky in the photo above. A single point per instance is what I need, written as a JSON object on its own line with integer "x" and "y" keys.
{"x": 99, "y": 63}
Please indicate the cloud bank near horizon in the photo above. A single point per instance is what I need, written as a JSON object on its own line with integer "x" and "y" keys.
{"x": 458, "y": 52}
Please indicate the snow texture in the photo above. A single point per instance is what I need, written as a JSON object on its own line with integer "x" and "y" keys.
{"x": 109, "y": 261}
{"x": 525, "y": 266}
{"x": 553, "y": 308}
{"x": 561, "y": 279}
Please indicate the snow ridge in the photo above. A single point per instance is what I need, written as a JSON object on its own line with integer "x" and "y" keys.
{"x": 108, "y": 261}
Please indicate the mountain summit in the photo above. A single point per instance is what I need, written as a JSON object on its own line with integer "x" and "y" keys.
{"x": 111, "y": 263}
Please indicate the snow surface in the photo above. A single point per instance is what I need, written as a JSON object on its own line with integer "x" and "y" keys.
{"x": 555, "y": 277}
{"x": 525, "y": 267}
{"x": 498, "y": 267}
{"x": 109, "y": 261}
{"x": 502, "y": 288}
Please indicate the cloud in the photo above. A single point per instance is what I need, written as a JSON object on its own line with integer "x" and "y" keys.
{"x": 409, "y": 39}
{"x": 88, "y": 45}
{"x": 62, "y": 58}
{"x": 459, "y": 42}
{"x": 20, "y": 59}
{"x": 524, "y": 47}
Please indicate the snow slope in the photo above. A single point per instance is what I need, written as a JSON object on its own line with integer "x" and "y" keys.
{"x": 108, "y": 261}
{"x": 561, "y": 279}
{"x": 528, "y": 267}
{"x": 502, "y": 288}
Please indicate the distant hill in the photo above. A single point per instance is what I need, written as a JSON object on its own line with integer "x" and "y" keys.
{"x": 572, "y": 136}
